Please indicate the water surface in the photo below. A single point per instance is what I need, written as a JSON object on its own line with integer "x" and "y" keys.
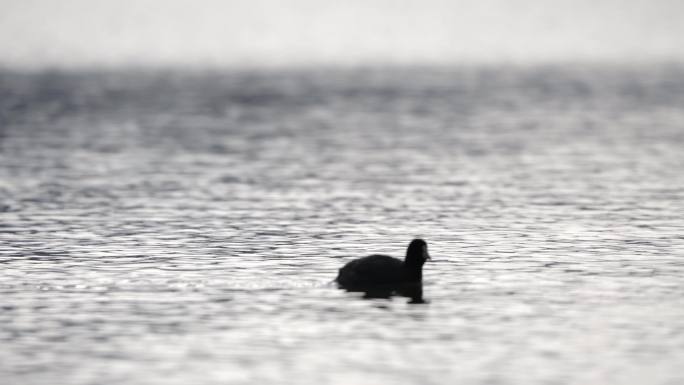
{"x": 181, "y": 227}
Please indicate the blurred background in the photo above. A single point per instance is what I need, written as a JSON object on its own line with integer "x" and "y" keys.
{"x": 70, "y": 33}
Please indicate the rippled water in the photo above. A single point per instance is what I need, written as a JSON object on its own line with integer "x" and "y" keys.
{"x": 184, "y": 228}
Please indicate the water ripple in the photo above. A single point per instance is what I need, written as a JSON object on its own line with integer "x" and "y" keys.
{"x": 185, "y": 228}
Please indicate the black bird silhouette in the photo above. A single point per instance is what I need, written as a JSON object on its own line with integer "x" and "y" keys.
{"x": 382, "y": 275}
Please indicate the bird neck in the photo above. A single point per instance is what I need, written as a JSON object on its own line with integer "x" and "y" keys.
{"x": 414, "y": 269}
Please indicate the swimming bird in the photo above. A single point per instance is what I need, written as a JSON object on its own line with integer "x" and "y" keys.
{"x": 385, "y": 272}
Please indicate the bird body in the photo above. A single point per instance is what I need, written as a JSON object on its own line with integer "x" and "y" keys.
{"x": 382, "y": 271}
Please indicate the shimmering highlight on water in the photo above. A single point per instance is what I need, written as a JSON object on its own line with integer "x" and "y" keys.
{"x": 183, "y": 228}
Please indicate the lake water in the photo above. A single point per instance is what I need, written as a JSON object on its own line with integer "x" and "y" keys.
{"x": 180, "y": 227}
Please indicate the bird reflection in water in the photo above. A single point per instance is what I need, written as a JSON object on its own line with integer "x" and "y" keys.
{"x": 413, "y": 291}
